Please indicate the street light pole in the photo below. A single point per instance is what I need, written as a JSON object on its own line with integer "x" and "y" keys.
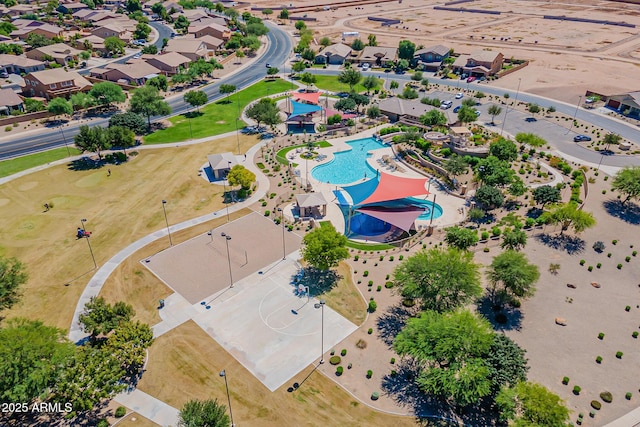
{"x": 65, "y": 141}
{"x": 284, "y": 250}
{"x": 575, "y": 114}
{"x": 320, "y": 305}
{"x": 506, "y": 110}
{"x": 223, "y": 373}
{"x": 164, "y": 202}
{"x": 226, "y": 239}
{"x": 84, "y": 234}
{"x": 238, "y": 134}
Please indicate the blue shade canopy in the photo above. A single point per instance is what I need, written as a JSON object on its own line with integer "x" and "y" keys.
{"x": 362, "y": 190}
{"x": 301, "y": 109}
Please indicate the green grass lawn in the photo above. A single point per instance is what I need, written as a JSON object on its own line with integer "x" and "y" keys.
{"x": 9, "y": 167}
{"x": 216, "y": 118}
{"x": 331, "y": 83}
{"x": 281, "y": 156}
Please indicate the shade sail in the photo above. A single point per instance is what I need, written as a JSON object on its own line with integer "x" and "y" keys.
{"x": 392, "y": 187}
{"x": 312, "y": 97}
{"x": 331, "y": 112}
{"x": 400, "y": 217}
{"x": 361, "y": 191}
{"x": 300, "y": 109}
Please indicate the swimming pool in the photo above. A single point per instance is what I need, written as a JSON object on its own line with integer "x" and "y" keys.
{"x": 348, "y": 166}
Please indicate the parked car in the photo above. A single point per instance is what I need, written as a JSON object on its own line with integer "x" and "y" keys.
{"x": 366, "y": 66}
{"x": 459, "y": 95}
{"x": 470, "y": 79}
{"x": 580, "y": 138}
{"x": 477, "y": 112}
{"x": 531, "y": 119}
{"x": 140, "y": 42}
{"x": 268, "y": 65}
{"x": 343, "y": 94}
{"x": 455, "y": 110}
{"x": 137, "y": 55}
{"x": 446, "y": 104}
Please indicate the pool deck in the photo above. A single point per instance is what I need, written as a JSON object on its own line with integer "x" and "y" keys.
{"x": 454, "y": 209}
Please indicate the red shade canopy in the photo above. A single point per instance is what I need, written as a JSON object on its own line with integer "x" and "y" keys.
{"x": 312, "y": 97}
{"x": 392, "y": 187}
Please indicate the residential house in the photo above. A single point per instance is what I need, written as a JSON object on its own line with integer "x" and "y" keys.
{"x": 190, "y": 14}
{"x": 59, "y": 52}
{"x": 481, "y": 63}
{"x": 96, "y": 43}
{"x": 121, "y": 21}
{"x": 212, "y": 43}
{"x": 36, "y": 27}
{"x": 404, "y": 110}
{"x": 169, "y": 63}
{"x": 112, "y": 30}
{"x": 377, "y": 55}
{"x": 10, "y": 102}
{"x": 93, "y": 16}
{"x": 135, "y": 73}
{"x": 55, "y": 82}
{"x": 71, "y": 8}
{"x": 198, "y": 22}
{"x": 627, "y": 103}
{"x": 335, "y": 54}
{"x": 193, "y": 49}
{"x": 22, "y": 9}
{"x": 431, "y": 57}
{"x": 18, "y": 64}
{"x": 212, "y": 29}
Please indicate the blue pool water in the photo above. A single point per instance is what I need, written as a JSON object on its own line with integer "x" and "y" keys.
{"x": 348, "y": 166}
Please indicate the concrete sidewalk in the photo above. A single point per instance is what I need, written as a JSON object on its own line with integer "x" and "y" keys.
{"x": 149, "y": 407}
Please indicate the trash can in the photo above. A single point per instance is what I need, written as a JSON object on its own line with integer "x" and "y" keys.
{"x": 161, "y": 303}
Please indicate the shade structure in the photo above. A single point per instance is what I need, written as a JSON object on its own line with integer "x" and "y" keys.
{"x": 360, "y": 191}
{"x": 392, "y": 187}
{"x": 301, "y": 109}
{"x": 402, "y": 217}
{"x": 311, "y": 97}
{"x": 331, "y": 112}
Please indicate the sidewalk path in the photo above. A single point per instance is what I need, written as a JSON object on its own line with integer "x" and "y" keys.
{"x": 149, "y": 407}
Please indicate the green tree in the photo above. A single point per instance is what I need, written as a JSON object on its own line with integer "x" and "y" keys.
{"x": 196, "y": 98}
{"x": 272, "y": 71}
{"x": 469, "y": 102}
{"x": 257, "y": 29}
{"x": 611, "y": 139}
{"x": 92, "y": 140}
{"x": 494, "y": 110}
{"x": 300, "y": 25}
{"x": 284, "y": 14}
{"x": 107, "y": 93}
{"x": 462, "y": 383}
{"x": 476, "y": 215}
{"x": 227, "y": 89}
{"x": 159, "y": 9}
{"x": 456, "y": 164}
{"x": 134, "y": 122}
{"x": 299, "y": 66}
{"x": 357, "y": 44}
{"x": 250, "y": 42}
{"x": 114, "y": 46}
{"x": 402, "y": 65}
{"x": 31, "y": 356}
{"x": 200, "y": 68}
{"x": 325, "y": 41}
{"x": 409, "y": 93}
{"x": 264, "y": 111}
{"x": 267, "y": 12}
{"x": 100, "y": 317}
{"x": 345, "y": 104}
{"x": 546, "y": 194}
{"x": 308, "y": 78}
{"x": 504, "y": 150}
{"x": 442, "y": 279}
{"x": 370, "y": 83}
{"x": 373, "y": 112}
{"x": 239, "y": 175}
{"x": 460, "y": 237}
{"x": 11, "y": 49}
{"x": 350, "y": 77}
{"x": 466, "y": 115}
{"x": 568, "y": 215}
{"x": 507, "y": 363}
{"x": 142, "y": 31}
{"x": 324, "y": 247}
{"x": 372, "y": 40}
{"x": 129, "y": 343}
{"x": 495, "y": 172}
{"x": 514, "y": 240}
{"x": 121, "y": 137}
{"x": 36, "y": 40}
{"x": 530, "y": 404}
{"x": 182, "y": 23}
{"x": 406, "y": 49}
{"x": 359, "y": 99}
{"x": 517, "y": 187}
{"x": 434, "y": 118}
{"x": 197, "y": 413}
{"x": 510, "y": 275}
{"x": 627, "y": 183}
{"x": 489, "y": 197}
{"x": 147, "y": 101}
{"x": 12, "y": 277}
{"x": 133, "y": 6}
{"x": 533, "y": 109}
{"x": 394, "y": 84}
{"x": 160, "y": 82}
{"x": 6, "y": 28}
{"x": 60, "y": 106}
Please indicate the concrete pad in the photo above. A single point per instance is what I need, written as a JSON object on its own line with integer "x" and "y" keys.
{"x": 271, "y": 331}
{"x": 150, "y": 407}
{"x": 199, "y": 267}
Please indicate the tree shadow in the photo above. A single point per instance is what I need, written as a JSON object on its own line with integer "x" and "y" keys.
{"x": 502, "y": 318}
{"x": 193, "y": 114}
{"x": 391, "y": 323}
{"x": 84, "y": 164}
{"x": 562, "y": 242}
{"x": 629, "y": 213}
{"x": 534, "y": 212}
{"x": 317, "y": 281}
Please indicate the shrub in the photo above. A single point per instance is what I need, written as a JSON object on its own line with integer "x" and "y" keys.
{"x": 599, "y": 359}
{"x": 615, "y": 242}
{"x": 391, "y": 258}
{"x": 103, "y": 423}
{"x": 609, "y": 255}
{"x": 606, "y": 397}
{"x": 401, "y": 257}
{"x": 357, "y": 257}
{"x": 408, "y": 302}
{"x": 339, "y": 370}
{"x": 370, "y": 331}
{"x": 619, "y": 266}
{"x": 362, "y": 344}
{"x": 596, "y": 405}
{"x": 628, "y": 395}
{"x": 381, "y": 257}
{"x": 634, "y": 253}
{"x": 582, "y": 262}
{"x": 349, "y": 366}
{"x": 619, "y": 354}
{"x": 484, "y": 235}
{"x": 372, "y": 306}
{"x": 379, "y": 288}
{"x": 576, "y": 389}
{"x": 335, "y": 360}
{"x": 393, "y": 373}
{"x": 369, "y": 373}
{"x": 366, "y": 273}
{"x": 120, "y": 411}
{"x": 370, "y": 283}
{"x": 635, "y": 334}
{"x": 343, "y": 352}
{"x": 627, "y": 258}
{"x": 627, "y": 308}
{"x": 565, "y": 380}
{"x": 332, "y": 352}
{"x": 598, "y": 265}
{"x": 375, "y": 395}
{"x": 267, "y": 213}
{"x": 388, "y": 285}
{"x": 485, "y": 250}
{"x": 590, "y": 268}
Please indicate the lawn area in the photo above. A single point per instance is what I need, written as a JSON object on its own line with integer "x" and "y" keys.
{"x": 119, "y": 209}
{"x": 344, "y": 297}
{"x": 281, "y": 156}
{"x": 331, "y": 83}
{"x": 185, "y": 363}
{"x": 216, "y": 118}
{"x": 9, "y": 167}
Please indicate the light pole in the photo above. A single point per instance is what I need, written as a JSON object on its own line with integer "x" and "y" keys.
{"x": 506, "y": 110}
{"x": 164, "y": 202}
{"x": 226, "y": 239}
{"x": 238, "y": 134}
{"x": 223, "y": 373}
{"x": 320, "y": 305}
{"x": 284, "y": 251}
{"x": 86, "y": 236}
{"x": 65, "y": 141}
{"x": 189, "y": 120}
{"x": 575, "y": 114}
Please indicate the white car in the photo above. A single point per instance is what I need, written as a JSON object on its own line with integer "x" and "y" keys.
{"x": 365, "y": 66}
{"x": 459, "y": 95}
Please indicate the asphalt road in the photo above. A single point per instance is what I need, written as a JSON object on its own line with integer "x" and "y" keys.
{"x": 280, "y": 47}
